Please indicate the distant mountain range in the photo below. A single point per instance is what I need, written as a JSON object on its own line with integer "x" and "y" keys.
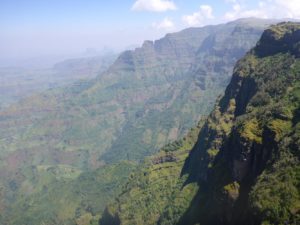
{"x": 17, "y": 83}
{"x": 63, "y": 139}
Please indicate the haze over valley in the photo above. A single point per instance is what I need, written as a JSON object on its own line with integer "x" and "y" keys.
{"x": 149, "y": 112}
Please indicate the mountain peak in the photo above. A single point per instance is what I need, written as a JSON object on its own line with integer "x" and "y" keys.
{"x": 283, "y": 37}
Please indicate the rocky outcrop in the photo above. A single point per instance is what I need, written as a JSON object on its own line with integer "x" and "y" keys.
{"x": 282, "y": 38}
{"x": 168, "y": 157}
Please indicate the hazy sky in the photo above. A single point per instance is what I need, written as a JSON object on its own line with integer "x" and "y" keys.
{"x": 41, "y": 27}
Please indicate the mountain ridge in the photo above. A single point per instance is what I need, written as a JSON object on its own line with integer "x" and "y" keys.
{"x": 149, "y": 97}
{"x": 244, "y": 166}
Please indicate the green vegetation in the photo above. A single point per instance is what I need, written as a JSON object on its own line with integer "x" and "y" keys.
{"x": 275, "y": 197}
{"x": 155, "y": 192}
{"x": 244, "y": 167}
{"x": 64, "y": 195}
{"x": 148, "y": 98}
{"x": 251, "y": 131}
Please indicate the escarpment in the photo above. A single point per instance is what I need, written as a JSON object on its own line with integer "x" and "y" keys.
{"x": 244, "y": 167}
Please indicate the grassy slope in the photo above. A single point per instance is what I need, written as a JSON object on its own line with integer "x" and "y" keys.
{"x": 156, "y": 189}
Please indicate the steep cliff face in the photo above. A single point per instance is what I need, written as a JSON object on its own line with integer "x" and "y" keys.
{"x": 245, "y": 163}
{"x": 253, "y": 177}
{"x": 147, "y": 98}
{"x": 176, "y": 72}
